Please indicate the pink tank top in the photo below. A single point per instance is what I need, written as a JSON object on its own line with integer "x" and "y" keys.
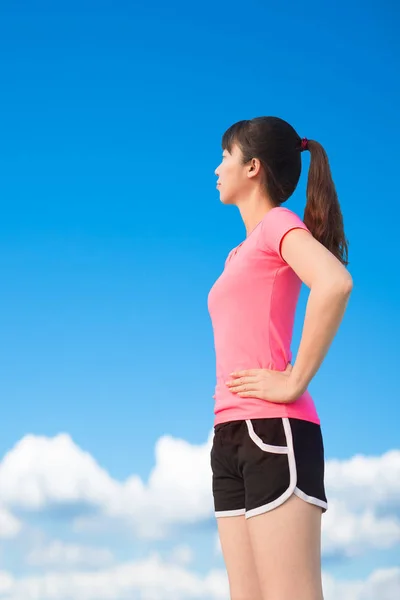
{"x": 252, "y": 308}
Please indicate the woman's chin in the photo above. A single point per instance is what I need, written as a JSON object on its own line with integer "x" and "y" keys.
{"x": 223, "y": 198}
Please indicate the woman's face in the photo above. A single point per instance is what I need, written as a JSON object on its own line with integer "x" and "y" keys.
{"x": 233, "y": 181}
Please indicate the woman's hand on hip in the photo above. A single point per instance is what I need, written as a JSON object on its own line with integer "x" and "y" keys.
{"x": 266, "y": 384}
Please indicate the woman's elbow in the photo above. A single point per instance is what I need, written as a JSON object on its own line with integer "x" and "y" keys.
{"x": 347, "y": 284}
{"x": 339, "y": 284}
{"x": 343, "y": 285}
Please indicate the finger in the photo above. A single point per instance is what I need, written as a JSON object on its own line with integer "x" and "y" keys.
{"x": 249, "y": 387}
{"x": 242, "y": 381}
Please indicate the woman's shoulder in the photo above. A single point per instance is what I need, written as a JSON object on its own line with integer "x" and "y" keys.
{"x": 281, "y": 214}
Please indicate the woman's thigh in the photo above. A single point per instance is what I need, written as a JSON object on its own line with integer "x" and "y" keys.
{"x": 286, "y": 544}
{"x": 239, "y": 559}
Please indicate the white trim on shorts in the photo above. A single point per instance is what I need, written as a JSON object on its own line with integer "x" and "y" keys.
{"x": 267, "y": 447}
{"x": 289, "y": 450}
{"x": 310, "y": 499}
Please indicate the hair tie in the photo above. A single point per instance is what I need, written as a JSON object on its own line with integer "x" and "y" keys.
{"x": 304, "y": 144}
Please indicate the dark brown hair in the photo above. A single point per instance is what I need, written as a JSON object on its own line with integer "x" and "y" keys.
{"x": 278, "y": 147}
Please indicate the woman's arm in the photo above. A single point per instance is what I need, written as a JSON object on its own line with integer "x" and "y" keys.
{"x": 330, "y": 287}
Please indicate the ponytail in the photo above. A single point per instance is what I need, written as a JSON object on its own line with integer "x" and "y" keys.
{"x": 322, "y": 214}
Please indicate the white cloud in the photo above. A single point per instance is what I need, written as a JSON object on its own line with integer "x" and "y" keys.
{"x": 41, "y": 473}
{"x": 366, "y": 481}
{"x": 154, "y": 579}
{"x": 351, "y": 533}
{"x": 217, "y": 545}
{"x": 60, "y": 554}
{"x": 182, "y": 555}
{"x": 9, "y": 525}
{"x": 382, "y": 583}
{"x": 7, "y": 583}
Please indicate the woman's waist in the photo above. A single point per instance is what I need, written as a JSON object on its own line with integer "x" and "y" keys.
{"x": 229, "y": 406}
{"x": 229, "y": 364}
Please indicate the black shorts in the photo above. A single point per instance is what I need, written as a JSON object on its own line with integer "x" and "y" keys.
{"x": 257, "y": 464}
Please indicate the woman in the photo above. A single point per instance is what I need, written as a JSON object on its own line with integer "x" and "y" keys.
{"x": 267, "y": 456}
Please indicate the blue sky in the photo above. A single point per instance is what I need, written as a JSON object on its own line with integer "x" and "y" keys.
{"x": 112, "y": 234}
